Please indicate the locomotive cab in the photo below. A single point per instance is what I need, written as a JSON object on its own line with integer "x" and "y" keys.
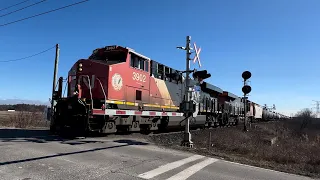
{"x": 101, "y": 76}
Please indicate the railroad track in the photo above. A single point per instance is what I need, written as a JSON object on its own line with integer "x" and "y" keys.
{"x": 156, "y": 133}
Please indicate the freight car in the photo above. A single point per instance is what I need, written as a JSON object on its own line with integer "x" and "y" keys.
{"x": 118, "y": 89}
{"x": 257, "y": 113}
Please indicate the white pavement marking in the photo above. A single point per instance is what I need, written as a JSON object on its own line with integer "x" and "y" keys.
{"x": 168, "y": 167}
{"x": 183, "y": 175}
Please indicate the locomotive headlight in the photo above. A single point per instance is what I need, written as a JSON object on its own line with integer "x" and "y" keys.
{"x": 80, "y": 67}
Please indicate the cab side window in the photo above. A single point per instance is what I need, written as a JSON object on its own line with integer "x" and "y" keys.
{"x": 146, "y": 67}
{"x": 139, "y": 62}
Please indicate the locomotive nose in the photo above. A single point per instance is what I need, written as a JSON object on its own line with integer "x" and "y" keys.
{"x": 89, "y": 80}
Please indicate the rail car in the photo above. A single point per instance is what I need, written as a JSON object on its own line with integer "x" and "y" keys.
{"x": 118, "y": 89}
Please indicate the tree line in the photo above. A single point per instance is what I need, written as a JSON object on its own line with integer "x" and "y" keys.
{"x": 23, "y": 107}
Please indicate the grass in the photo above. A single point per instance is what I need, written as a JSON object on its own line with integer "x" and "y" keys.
{"x": 295, "y": 150}
{"x": 23, "y": 119}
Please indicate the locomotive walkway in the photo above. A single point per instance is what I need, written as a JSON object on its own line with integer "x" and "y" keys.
{"x": 33, "y": 154}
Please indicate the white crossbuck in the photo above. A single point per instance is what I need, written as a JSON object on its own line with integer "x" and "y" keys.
{"x": 183, "y": 175}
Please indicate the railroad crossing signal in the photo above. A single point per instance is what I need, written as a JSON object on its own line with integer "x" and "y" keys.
{"x": 196, "y": 57}
{"x": 246, "y": 89}
{"x": 246, "y": 75}
{"x": 201, "y": 75}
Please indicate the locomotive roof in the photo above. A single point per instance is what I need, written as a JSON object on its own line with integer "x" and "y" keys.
{"x": 115, "y": 47}
{"x": 136, "y": 53}
{"x": 213, "y": 88}
{"x": 229, "y": 94}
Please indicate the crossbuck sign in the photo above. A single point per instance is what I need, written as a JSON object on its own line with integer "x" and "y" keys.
{"x": 196, "y": 57}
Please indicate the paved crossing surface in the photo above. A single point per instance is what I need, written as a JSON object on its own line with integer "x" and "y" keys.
{"x": 32, "y": 155}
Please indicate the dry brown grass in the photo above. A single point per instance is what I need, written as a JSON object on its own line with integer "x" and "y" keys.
{"x": 22, "y": 119}
{"x": 296, "y": 150}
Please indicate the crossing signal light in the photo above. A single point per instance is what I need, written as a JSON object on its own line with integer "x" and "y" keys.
{"x": 246, "y": 75}
{"x": 246, "y": 89}
{"x": 201, "y": 74}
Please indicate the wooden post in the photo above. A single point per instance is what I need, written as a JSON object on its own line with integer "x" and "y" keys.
{"x": 209, "y": 140}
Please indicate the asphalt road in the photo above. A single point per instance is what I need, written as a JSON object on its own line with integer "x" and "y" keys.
{"x": 32, "y": 154}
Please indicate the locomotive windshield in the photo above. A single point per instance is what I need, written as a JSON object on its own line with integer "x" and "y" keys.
{"x": 109, "y": 55}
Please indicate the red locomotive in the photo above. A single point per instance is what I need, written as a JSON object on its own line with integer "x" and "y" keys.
{"x": 117, "y": 88}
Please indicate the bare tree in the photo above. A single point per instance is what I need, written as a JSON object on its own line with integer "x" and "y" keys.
{"x": 24, "y": 119}
{"x": 306, "y": 116}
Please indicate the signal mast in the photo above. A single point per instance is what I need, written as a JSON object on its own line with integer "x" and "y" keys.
{"x": 246, "y": 89}
{"x": 187, "y": 106}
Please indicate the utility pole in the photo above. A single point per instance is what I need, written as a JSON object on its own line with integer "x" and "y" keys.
{"x": 55, "y": 74}
{"x": 246, "y": 89}
{"x": 317, "y": 108}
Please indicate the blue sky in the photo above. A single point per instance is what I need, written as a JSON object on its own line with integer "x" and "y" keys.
{"x": 278, "y": 41}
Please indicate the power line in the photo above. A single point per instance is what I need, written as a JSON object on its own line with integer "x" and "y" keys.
{"x": 23, "y": 8}
{"x": 28, "y": 56}
{"x": 14, "y": 5}
{"x": 44, "y": 13}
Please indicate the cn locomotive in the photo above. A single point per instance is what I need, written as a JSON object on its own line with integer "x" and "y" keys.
{"x": 118, "y": 89}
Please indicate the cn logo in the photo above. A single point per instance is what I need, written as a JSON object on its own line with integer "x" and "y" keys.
{"x": 117, "y": 82}
{"x": 85, "y": 80}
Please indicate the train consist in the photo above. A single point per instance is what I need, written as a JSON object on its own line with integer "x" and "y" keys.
{"x": 118, "y": 89}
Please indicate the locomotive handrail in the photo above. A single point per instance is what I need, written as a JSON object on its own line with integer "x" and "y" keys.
{"x": 89, "y": 82}
{"x": 65, "y": 88}
{"x": 105, "y": 97}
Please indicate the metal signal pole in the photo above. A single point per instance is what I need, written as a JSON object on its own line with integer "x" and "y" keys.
{"x": 187, "y": 106}
{"x": 187, "y": 135}
{"x": 246, "y": 89}
{"x": 245, "y": 111}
